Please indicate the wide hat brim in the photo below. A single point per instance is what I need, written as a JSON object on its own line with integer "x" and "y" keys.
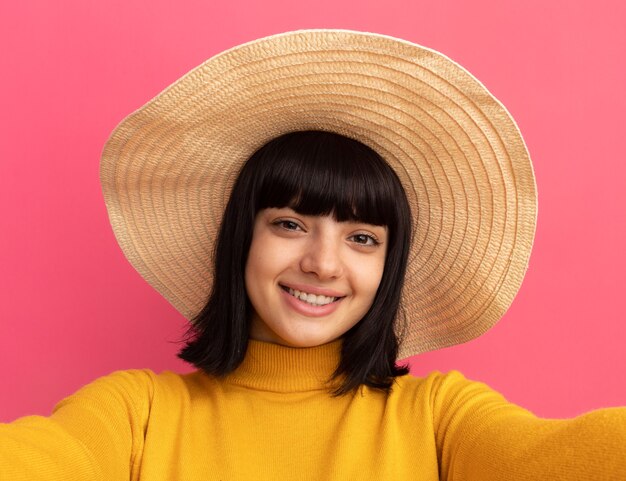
{"x": 168, "y": 168}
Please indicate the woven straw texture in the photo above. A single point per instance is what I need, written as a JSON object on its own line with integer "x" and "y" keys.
{"x": 168, "y": 168}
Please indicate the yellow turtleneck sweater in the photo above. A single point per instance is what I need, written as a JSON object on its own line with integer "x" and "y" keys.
{"x": 273, "y": 419}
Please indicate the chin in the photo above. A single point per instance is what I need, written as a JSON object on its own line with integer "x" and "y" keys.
{"x": 310, "y": 341}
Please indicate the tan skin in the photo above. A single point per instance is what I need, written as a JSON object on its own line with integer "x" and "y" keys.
{"x": 335, "y": 266}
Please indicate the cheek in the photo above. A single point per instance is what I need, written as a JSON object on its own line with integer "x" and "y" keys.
{"x": 369, "y": 275}
{"x": 266, "y": 259}
{"x": 252, "y": 270}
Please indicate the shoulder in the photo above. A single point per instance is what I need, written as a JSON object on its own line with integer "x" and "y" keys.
{"x": 439, "y": 392}
{"x": 135, "y": 389}
{"x": 434, "y": 384}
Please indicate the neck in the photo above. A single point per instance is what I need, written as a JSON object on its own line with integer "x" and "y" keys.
{"x": 272, "y": 367}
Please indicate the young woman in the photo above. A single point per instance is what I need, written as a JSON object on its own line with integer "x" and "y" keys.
{"x": 320, "y": 204}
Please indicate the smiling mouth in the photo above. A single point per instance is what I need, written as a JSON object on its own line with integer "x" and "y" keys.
{"x": 314, "y": 300}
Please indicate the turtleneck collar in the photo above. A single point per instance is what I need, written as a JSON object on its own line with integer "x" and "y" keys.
{"x": 276, "y": 368}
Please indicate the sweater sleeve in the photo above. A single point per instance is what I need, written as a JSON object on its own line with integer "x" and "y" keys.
{"x": 95, "y": 434}
{"x": 482, "y": 437}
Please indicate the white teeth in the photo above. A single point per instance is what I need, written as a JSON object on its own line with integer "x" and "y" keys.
{"x": 311, "y": 298}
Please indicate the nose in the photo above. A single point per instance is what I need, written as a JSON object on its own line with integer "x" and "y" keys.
{"x": 322, "y": 257}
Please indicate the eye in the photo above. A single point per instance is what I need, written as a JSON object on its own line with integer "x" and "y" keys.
{"x": 287, "y": 224}
{"x": 364, "y": 239}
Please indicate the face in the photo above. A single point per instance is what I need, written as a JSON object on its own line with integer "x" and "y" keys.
{"x": 311, "y": 278}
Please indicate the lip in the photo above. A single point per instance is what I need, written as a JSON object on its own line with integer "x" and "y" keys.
{"x": 318, "y": 291}
{"x": 309, "y": 310}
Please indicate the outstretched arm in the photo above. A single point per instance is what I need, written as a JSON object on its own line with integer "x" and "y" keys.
{"x": 95, "y": 434}
{"x": 482, "y": 437}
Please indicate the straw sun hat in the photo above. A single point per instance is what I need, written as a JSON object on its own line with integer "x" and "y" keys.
{"x": 168, "y": 168}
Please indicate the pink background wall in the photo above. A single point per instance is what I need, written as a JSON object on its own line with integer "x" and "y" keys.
{"x": 73, "y": 309}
